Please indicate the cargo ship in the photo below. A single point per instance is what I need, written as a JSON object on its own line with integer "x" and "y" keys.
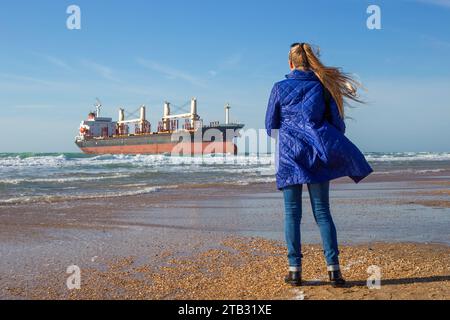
{"x": 102, "y": 135}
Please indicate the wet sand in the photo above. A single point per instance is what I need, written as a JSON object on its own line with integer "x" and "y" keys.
{"x": 200, "y": 243}
{"x": 438, "y": 198}
{"x": 253, "y": 268}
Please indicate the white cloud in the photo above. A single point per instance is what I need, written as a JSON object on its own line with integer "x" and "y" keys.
{"x": 232, "y": 60}
{"x": 435, "y": 42}
{"x": 171, "y": 73}
{"x": 58, "y": 62}
{"x": 440, "y": 3}
{"x": 34, "y": 106}
{"x": 103, "y": 71}
{"x": 18, "y": 83}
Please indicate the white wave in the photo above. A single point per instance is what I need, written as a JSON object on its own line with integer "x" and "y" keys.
{"x": 430, "y": 170}
{"x": 409, "y": 156}
{"x": 265, "y": 170}
{"x": 61, "y": 180}
{"x": 61, "y": 161}
{"x": 411, "y": 171}
{"x": 252, "y": 180}
{"x": 60, "y": 198}
{"x": 42, "y": 161}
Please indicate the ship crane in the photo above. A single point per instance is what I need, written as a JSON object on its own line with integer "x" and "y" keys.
{"x": 143, "y": 126}
{"x": 193, "y": 116}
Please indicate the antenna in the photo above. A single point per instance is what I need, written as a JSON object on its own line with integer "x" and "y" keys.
{"x": 98, "y": 106}
{"x": 227, "y": 113}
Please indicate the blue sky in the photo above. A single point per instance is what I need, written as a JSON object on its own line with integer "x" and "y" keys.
{"x": 137, "y": 52}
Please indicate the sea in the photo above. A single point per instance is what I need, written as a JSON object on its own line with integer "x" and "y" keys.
{"x": 53, "y": 177}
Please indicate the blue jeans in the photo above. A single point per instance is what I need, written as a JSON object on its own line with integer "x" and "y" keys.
{"x": 319, "y": 196}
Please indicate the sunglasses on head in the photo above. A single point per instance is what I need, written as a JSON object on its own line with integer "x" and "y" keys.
{"x": 297, "y": 44}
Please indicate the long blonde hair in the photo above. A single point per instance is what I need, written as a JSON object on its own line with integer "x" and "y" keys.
{"x": 341, "y": 85}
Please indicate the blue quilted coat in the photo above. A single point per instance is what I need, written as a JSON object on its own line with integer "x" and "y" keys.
{"x": 311, "y": 145}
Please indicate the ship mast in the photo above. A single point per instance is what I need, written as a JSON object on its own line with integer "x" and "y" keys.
{"x": 227, "y": 113}
{"x": 98, "y": 107}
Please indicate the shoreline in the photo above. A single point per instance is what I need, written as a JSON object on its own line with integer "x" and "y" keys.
{"x": 429, "y": 178}
{"x": 143, "y": 232}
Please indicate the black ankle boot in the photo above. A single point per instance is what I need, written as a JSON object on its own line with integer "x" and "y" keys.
{"x": 294, "y": 278}
{"x": 336, "y": 279}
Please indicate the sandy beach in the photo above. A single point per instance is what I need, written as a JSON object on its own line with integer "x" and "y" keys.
{"x": 224, "y": 241}
{"x": 253, "y": 268}
{"x": 142, "y": 143}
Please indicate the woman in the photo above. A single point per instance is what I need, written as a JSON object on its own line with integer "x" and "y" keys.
{"x": 306, "y": 115}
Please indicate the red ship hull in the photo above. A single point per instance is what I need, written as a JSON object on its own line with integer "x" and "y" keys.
{"x": 197, "y": 148}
